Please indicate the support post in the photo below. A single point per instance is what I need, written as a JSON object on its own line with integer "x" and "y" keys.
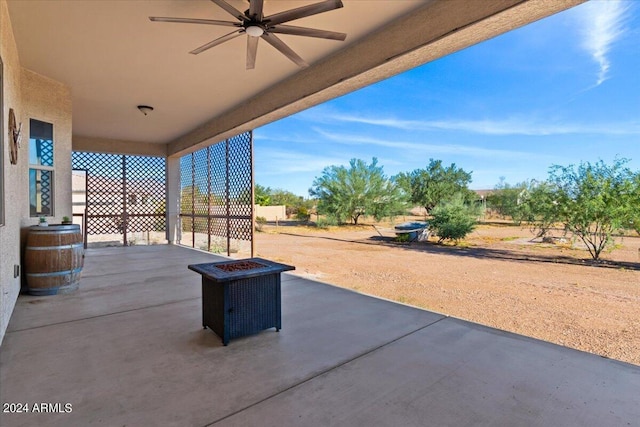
{"x": 252, "y": 203}
{"x": 173, "y": 199}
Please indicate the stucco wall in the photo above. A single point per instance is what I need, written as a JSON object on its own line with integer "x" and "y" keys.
{"x": 272, "y": 213}
{"x": 14, "y": 194}
{"x": 49, "y": 101}
{"x": 31, "y": 96}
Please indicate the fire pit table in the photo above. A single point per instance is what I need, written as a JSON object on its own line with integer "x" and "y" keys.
{"x": 240, "y": 297}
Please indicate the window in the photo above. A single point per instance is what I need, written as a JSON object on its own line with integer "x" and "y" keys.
{"x": 40, "y": 168}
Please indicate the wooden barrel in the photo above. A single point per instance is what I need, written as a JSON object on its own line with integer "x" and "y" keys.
{"x": 54, "y": 257}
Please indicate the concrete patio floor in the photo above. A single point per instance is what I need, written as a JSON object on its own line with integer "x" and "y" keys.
{"x": 128, "y": 349}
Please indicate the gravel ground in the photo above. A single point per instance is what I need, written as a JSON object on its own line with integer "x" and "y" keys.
{"x": 497, "y": 277}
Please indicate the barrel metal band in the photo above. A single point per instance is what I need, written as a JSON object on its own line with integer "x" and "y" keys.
{"x": 56, "y": 273}
{"x": 56, "y": 232}
{"x": 44, "y": 248}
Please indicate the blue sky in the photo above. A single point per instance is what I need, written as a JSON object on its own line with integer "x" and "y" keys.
{"x": 559, "y": 91}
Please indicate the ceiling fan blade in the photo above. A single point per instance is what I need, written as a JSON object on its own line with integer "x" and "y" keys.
{"x": 255, "y": 9}
{"x": 230, "y": 9}
{"x": 194, "y": 21}
{"x": 308, "y": 32}
{"x": 252, "y": 51}
{"x": 217, "y": 41}
{"x": 284, "y": 49}
{"x": 301, "y": 12}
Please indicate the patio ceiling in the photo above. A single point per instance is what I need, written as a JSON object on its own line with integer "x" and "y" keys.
{"x": 113, "y": 59}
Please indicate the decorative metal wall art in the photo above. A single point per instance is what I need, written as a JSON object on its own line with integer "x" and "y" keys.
{"x": 15, "y": 135}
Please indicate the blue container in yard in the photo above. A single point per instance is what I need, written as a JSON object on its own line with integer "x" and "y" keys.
{"x": 413, "y": 229}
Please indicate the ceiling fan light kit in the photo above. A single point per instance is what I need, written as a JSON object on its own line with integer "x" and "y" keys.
{"x": 253, "y": 23}
{"x": 254, "y": 31}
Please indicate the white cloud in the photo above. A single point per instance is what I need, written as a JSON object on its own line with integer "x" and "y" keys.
{"x": 603, "y": 22}
{"x": 511, "y": 126}
{"x": 281, "y": 162}
{"x": 261, "y": 135}
{"x": 414, "y": 149}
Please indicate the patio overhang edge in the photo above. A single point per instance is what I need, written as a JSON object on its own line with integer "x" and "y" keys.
{"x": 113, "y": 146}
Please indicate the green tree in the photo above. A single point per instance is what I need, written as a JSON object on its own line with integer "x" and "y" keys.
{"x": 538, "y": 206}
{"x": 262, "y": 195}
{"x": 361, "y": 189}
{"x": 634, "y": 221}
{"x": 436, "y": 183}
{"x": 160, "y": 223}
{"x": 192, "y": 199}
{"x": 454, "y": 219}
{"x": 295, "y": 205}
{"x": 592, "y": 201}
{"x": 507, "y": 200}
{"x": 284, "y": 197}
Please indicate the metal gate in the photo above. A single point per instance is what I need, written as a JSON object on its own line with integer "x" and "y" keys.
{"x": 216, "y": 197}
{"x": 124, "y": 193}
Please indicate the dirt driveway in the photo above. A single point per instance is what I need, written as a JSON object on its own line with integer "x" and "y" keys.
{"x": 496, "y": 277}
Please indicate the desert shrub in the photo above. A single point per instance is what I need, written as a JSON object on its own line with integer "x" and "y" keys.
{"x": 402, "y": 238}
{"x": 260, "y": 222}
{"x": 303, "y": 214}
{"x": 327, "y": 222}
{"x": 453, "y": 219}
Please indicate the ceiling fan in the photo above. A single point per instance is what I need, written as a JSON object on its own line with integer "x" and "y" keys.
{"x": 256, "y": 26}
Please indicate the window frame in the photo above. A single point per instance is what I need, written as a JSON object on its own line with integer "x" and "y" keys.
{"x": 41, "y": 168}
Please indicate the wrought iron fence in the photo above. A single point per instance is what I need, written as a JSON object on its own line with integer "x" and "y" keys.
{"x": 216, "y": 198}
{"x": 124, "y": 193}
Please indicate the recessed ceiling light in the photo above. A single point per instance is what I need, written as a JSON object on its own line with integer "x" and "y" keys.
{"x": 145, "y": 109}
